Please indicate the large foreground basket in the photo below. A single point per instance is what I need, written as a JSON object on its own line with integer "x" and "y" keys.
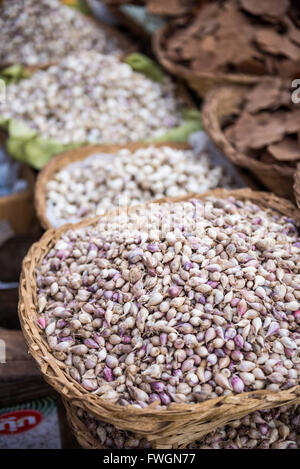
{"x": 179, "y": 424}
{"x": 84, "y": 437}
{"x": 201, "y": 82}
{"x": 219, "y": 105}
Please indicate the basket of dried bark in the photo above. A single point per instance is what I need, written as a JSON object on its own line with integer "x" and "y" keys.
{"x": 233, "y": 42}
{"x": 257, "y": 128}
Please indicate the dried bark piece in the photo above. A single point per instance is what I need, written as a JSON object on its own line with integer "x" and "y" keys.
{"x": 206, "y": 21}
{"x": 293, "y": 32}
{"x": 286, "y": 150}
{"x": 287, "y": 68}
{"x": 266, "y": 8}
{"x": 276, "y": 44}
{"x": 267, "y": 158}
{"x": 252, "y": 66}
{"x": 232, "y": 48}
{"x": 266, "y": 95}
{"x": 258, "y": 131}
{"x": 205, "y": 61}
{"x": 292, "y": 122}
{"x": 171, "y": 7}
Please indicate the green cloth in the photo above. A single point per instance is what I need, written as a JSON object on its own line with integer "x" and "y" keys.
{"x": 82, "y": 6}
{"x": 26, "y": 145}
{"x": 13, "y": 74}
{"x": 142, "y": 64}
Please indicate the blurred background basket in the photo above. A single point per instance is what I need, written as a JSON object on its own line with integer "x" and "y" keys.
{"x": 201, "y": 82}
{"x": 219, "y": 105}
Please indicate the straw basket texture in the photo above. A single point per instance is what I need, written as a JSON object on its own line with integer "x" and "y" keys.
{"x": 127, "y": 45}
{"x": 201, "y": 82}
{"x": 219, "y": 105}
{"x": 297, "y": 185}
{"x": 179, "y": 424}
{"x": 68, "y": 157}
{"x": 80, "y": 430}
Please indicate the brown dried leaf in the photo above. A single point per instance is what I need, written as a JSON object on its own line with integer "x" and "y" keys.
{"x": 252, "y": 66}
{"x": 205, "y": 61}
{"x": 267, "y": 158}
{"x": 267, "y": 8}
{"x": 171, "y": 7}
{"x": 293, "y": 32}
{"x": 276, "y": 44}
{"x": 292, "y": 121}
{"x": 232, "y": 48}
{"x": 287, "y": 150}
{"x": 259, "y": 131}
{"x": 288, "y": 68}
{"x": 190, "y": 48}
{"x": 266, "y": 95}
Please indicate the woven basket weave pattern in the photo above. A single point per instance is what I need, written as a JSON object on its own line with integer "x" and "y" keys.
{"x": 220, "y": 104}
{"x": 180, "y": 424}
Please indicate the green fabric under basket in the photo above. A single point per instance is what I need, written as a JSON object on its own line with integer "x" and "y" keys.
{"x": 26, "y": 145}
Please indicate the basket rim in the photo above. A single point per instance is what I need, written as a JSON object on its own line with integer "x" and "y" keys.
{"x": 83, "y": 436}
{"x": 62, "y": 160}
{"x": 211, "y": 123}
{"x": 156, "y": 425}
{"x": 297, "y": 184}
{"x": 128, "y": 46}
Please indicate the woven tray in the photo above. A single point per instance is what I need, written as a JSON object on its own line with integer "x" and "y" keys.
{"x": 199, "y": 81}
{"x": 219, "y": 104}
{"x": 180, "y": 424}
{"x": 84, "y": 437}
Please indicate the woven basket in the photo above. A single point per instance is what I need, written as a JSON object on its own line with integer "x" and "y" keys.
{"x": 220, "y": 104}
{"x": 68, "y": 157}
{"x": 84, "y": 437}
{"x": 18, "y": 209}
{"x": 297, "y": 185}
{"x": 127, "y": 45}
{"x": 180, "y": 424}
{"x": 201, "y": 82}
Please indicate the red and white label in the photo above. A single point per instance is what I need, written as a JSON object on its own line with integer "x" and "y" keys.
{"x": 19, "y": 421}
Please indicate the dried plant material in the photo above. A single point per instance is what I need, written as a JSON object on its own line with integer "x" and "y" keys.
{"x": 266, "y": 8}
{"x": 158, "y": 7}
{"x": 263, "y": 96}
{"x": 292, "y": 123}
{"x": 276, "y": 44}
{"x": 236, "y": 36}
{"x": 287, "y": 150}
{"x": 171, "y": 7}
{"x": 253, "y": 133}
{"x": 267, "y": 124}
